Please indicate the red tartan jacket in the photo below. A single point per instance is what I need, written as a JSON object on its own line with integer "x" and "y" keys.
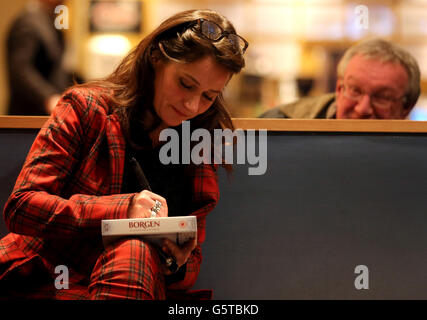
{"x": 70, "y": 181}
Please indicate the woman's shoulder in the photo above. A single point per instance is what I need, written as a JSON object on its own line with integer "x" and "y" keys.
{"x": 90, "y": 99}
{"x": 84, "y": 111}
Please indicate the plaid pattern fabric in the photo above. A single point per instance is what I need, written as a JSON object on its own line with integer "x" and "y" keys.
{"x": 128, "y": 268}
{"x": 70, "y": 181}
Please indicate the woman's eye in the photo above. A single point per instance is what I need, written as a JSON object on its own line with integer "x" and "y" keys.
{"x": 186, "y": 86}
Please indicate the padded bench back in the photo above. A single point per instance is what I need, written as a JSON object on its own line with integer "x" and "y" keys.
{"x": 328, "y": 203}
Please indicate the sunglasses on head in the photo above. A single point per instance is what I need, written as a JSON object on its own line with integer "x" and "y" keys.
{"x": 212, "y": 31}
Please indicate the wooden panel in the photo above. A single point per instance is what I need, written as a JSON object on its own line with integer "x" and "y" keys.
{"x": 23, "y": 122}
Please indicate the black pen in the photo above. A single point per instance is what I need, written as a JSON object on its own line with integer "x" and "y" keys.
{"x": 140, "y": 176}
{"x": 144, "y": 185}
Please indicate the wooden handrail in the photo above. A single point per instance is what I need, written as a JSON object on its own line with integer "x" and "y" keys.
{"x": 323, "y": 125}
{"x": 289, "y": 125}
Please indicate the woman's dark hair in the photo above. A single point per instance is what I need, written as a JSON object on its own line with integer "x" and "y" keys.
{"x": 132, "y": 83}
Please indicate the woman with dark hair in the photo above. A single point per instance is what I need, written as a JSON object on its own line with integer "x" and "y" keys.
{"x": 77, "y": 172}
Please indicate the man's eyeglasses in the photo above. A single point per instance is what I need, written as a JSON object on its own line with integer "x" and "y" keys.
{"x": 212, "y": 31}
{"x": 380, "y": 101}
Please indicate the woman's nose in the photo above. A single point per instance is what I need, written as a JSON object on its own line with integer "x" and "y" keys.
{"x": 191, "y": 104}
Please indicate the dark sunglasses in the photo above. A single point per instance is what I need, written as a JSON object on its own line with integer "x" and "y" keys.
{"x": 212, "y": 31}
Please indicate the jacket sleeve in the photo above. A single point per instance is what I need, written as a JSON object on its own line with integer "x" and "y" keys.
{"x": 35, "y": 206}
{"x": 205, "y": 198}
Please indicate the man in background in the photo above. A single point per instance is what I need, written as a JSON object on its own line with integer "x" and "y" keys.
{"x": 35, "y": 49}
{"x": 376, "y": 80}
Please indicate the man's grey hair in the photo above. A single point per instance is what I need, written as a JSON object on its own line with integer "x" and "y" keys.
{"x": 384, "y": 51}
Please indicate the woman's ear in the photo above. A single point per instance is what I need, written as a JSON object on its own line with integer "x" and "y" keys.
{"x": 155, "y": 56}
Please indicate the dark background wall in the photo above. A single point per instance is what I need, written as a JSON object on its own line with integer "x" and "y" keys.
{"x": 14, "y": 144}
{"x": 327, "y": 203}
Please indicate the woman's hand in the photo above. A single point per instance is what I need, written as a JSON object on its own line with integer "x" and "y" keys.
{"x": 181, "y": 254}
{"x": 143, "y": 202}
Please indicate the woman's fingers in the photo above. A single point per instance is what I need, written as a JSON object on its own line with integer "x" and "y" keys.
{"x": 143, "y": 203}
{"x": 163, "y": 212}
{"x": 181, "y": 254}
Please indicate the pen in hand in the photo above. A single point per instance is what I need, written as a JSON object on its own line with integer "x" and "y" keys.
{"x": 140, "y": 176}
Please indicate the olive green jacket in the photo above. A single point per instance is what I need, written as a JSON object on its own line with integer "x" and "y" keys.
{"x": 321, "y": 107}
